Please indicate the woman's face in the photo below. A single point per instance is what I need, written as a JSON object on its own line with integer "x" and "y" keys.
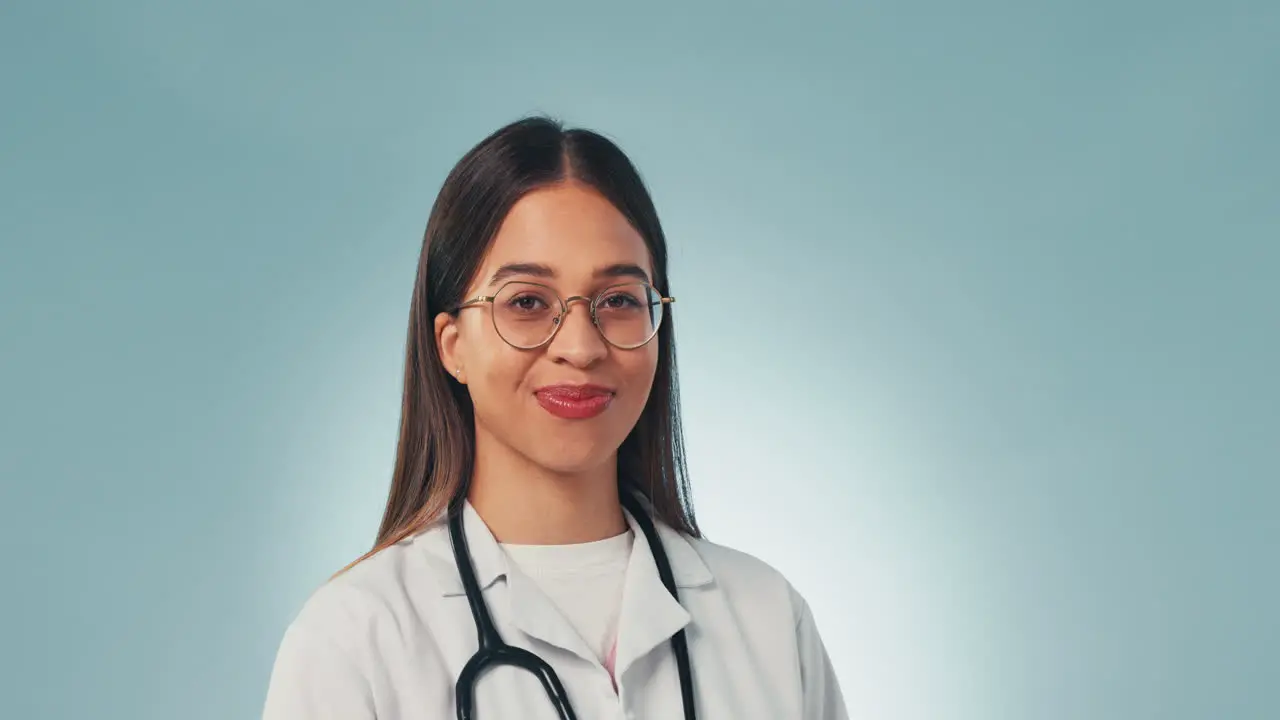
{"x": 568, "y": 405}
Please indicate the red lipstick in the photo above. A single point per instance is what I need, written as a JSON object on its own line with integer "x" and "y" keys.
{"x": 574, "y": 402}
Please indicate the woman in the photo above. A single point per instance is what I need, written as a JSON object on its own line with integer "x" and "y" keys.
{"x": 540, "y": 432}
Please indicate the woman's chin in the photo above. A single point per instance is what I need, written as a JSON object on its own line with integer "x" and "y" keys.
{"x": 572, "y": 460}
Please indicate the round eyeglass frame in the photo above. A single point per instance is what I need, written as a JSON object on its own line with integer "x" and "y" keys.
{"x": 564, "y": 310}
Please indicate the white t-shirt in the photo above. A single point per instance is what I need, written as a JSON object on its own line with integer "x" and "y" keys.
{"x": 585, "y": 583}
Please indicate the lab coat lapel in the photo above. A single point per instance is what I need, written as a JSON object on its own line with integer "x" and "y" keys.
{"x": 527, "y": 607}
{"x": 649, "y": 614}
{"x": 539, "y": 618}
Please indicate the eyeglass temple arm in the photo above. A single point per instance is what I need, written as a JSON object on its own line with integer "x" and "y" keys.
{"x": 475, "y": 301}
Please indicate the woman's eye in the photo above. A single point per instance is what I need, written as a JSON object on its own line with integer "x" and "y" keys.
{"x": 620, "y": 301}
{"x": 526, "y": 303}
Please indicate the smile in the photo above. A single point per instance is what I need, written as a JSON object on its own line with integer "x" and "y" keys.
{"x": 574, "y": 402}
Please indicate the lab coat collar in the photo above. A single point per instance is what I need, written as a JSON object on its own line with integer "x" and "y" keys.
{"x": 649, "y": 615}
{"x": 487, "y": 558}
{"x": 490, "y": 562}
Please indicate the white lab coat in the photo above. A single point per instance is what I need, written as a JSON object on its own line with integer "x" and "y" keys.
{"x": 388, "y": 639}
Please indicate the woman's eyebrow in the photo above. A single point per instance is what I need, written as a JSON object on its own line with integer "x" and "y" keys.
{"x": 616, "y": 270}
{"x": 620, "y": 270}
{"x": 512, "y": 269}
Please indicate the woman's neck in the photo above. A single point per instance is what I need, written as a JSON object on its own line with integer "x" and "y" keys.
{"x": 524, "y": 504}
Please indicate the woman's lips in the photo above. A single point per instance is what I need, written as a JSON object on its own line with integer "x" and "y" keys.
{"x": 574, "y": 402}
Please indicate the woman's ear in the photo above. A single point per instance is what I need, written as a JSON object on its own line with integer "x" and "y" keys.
{"x": 448, "y": 346}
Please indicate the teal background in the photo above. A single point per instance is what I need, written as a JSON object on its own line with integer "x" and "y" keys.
{"x": 977, "y": 326}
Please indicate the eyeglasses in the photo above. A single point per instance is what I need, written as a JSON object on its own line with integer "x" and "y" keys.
{"x": 527, "y": 315}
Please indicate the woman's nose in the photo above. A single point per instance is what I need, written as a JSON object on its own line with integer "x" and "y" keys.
{"x": 577, "y": 340}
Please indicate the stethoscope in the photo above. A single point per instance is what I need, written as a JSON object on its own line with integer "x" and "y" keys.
{"x": 493, "y": 651}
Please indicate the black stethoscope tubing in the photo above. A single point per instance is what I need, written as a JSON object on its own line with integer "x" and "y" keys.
{"x": 492, "y": 651}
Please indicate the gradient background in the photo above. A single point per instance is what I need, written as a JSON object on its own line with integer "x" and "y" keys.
{"x": 977, "y": 326}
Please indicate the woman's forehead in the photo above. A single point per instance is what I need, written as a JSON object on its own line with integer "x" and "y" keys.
{"x": 568, "y": 233}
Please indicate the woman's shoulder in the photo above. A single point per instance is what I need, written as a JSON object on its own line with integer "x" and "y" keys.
{"x": 348, "y": 640}
{"x": 379, "y": 589}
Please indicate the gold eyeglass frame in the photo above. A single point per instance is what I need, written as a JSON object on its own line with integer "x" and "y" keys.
{"x": 564, "y": 310}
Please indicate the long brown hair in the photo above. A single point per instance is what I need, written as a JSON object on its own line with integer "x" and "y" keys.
{"x": 436, "y": 448}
